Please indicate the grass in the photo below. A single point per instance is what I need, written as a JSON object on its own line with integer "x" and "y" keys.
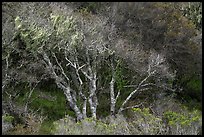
{"x": 46, "y": 127}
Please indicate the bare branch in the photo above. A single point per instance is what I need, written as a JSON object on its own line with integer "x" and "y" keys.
{"x": 132, "y": 93}
{"x": 85, "y": 73}
{"x": 81, "y": 67}
{"x": 148, "y": 84}
{"x": 130, "y": 86}
{"x": 49, "y": 64}
{"x": 29, "y": 96}
{"x": 57, "y": 79}
{"x": 77, "y": 70}
{"x": 60, "y": 66}
{"x": 135, "y": 106}
{"x": 117, "y": 96}
{"x": 144, "y": 89}
{"x": 70, "y": 63}
{"x": 89, "y": 63}
{"x": 149, "y": 69}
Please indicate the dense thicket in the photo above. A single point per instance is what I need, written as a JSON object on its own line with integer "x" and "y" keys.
{"x": 100, "y": 58}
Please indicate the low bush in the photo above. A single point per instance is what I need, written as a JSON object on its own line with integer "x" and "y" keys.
{"x": 31, "y": 127}
{"x": 183, "y": 124}
{"x": 7, "y": 123}
{"x": 110, "y": 126}
{"x": 145, "y": 123}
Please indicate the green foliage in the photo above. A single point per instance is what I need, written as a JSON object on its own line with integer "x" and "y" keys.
{"x": 36, "y": 36}
{"x": 171, "y": 123}
{"x": 88, "y": 126}
{"x": 192, "y": 88}
{"x": 70, "y": 113}
{"x": 31, "y": 35}
{"x": 144, "y": 111}
{"x": 50, "y": 101}
{"x": 184, "y": 123}
{"x": 55, "y": 19}
{"x": 146, "y": 123}
{"x": 46, "y": 127}
{"x": 103, "y": 109}
{"x": 53, "y": 109}
{"x": 195, "y": 84}
{"x": 182, "y": 119}
{"x": 7, "y": 118}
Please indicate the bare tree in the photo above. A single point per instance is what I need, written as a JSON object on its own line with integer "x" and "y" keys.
{"x": 72, "y": 49}
{"x": 157, "y": 68}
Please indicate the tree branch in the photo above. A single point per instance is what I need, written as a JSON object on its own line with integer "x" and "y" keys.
{"x": 132, "y": 93}
{"x": 131, "y": 107}
{"x": 85, "y": 74}
{"x": 57, "y": 79}
{"x": 60, "y": 66}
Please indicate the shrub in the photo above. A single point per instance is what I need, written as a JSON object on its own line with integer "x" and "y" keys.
{"x": 145, "y": 123}
{"x": 88, "y": 126}
{"x": 183, "y": 124}
{"x": 32, "y": 125}
{"x": 7, "y": 123}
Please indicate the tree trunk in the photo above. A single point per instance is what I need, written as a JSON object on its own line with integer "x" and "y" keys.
{"x": 73, "y": 104}
{"x": 112, "y": 97}
{"x": 84, "y": 109}
{"x": 64, "y": 85}
{"x": 92, "y": 97}
{"x": 112, "y": 94}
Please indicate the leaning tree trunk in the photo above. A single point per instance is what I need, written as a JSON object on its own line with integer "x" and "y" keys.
{"x": 73, "y": 104}
{"x": 62, "y": 84}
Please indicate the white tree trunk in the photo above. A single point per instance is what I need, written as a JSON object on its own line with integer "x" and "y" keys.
{"x": 84, "y": 109}
{"x": 92, "y": 77}
{"x": 73, "y": 104}
{"x": 112, "y": 91}
{"x": 64, "y": 86}
{"x": 112, "y": 97}
{"x": 93, "y": 101}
